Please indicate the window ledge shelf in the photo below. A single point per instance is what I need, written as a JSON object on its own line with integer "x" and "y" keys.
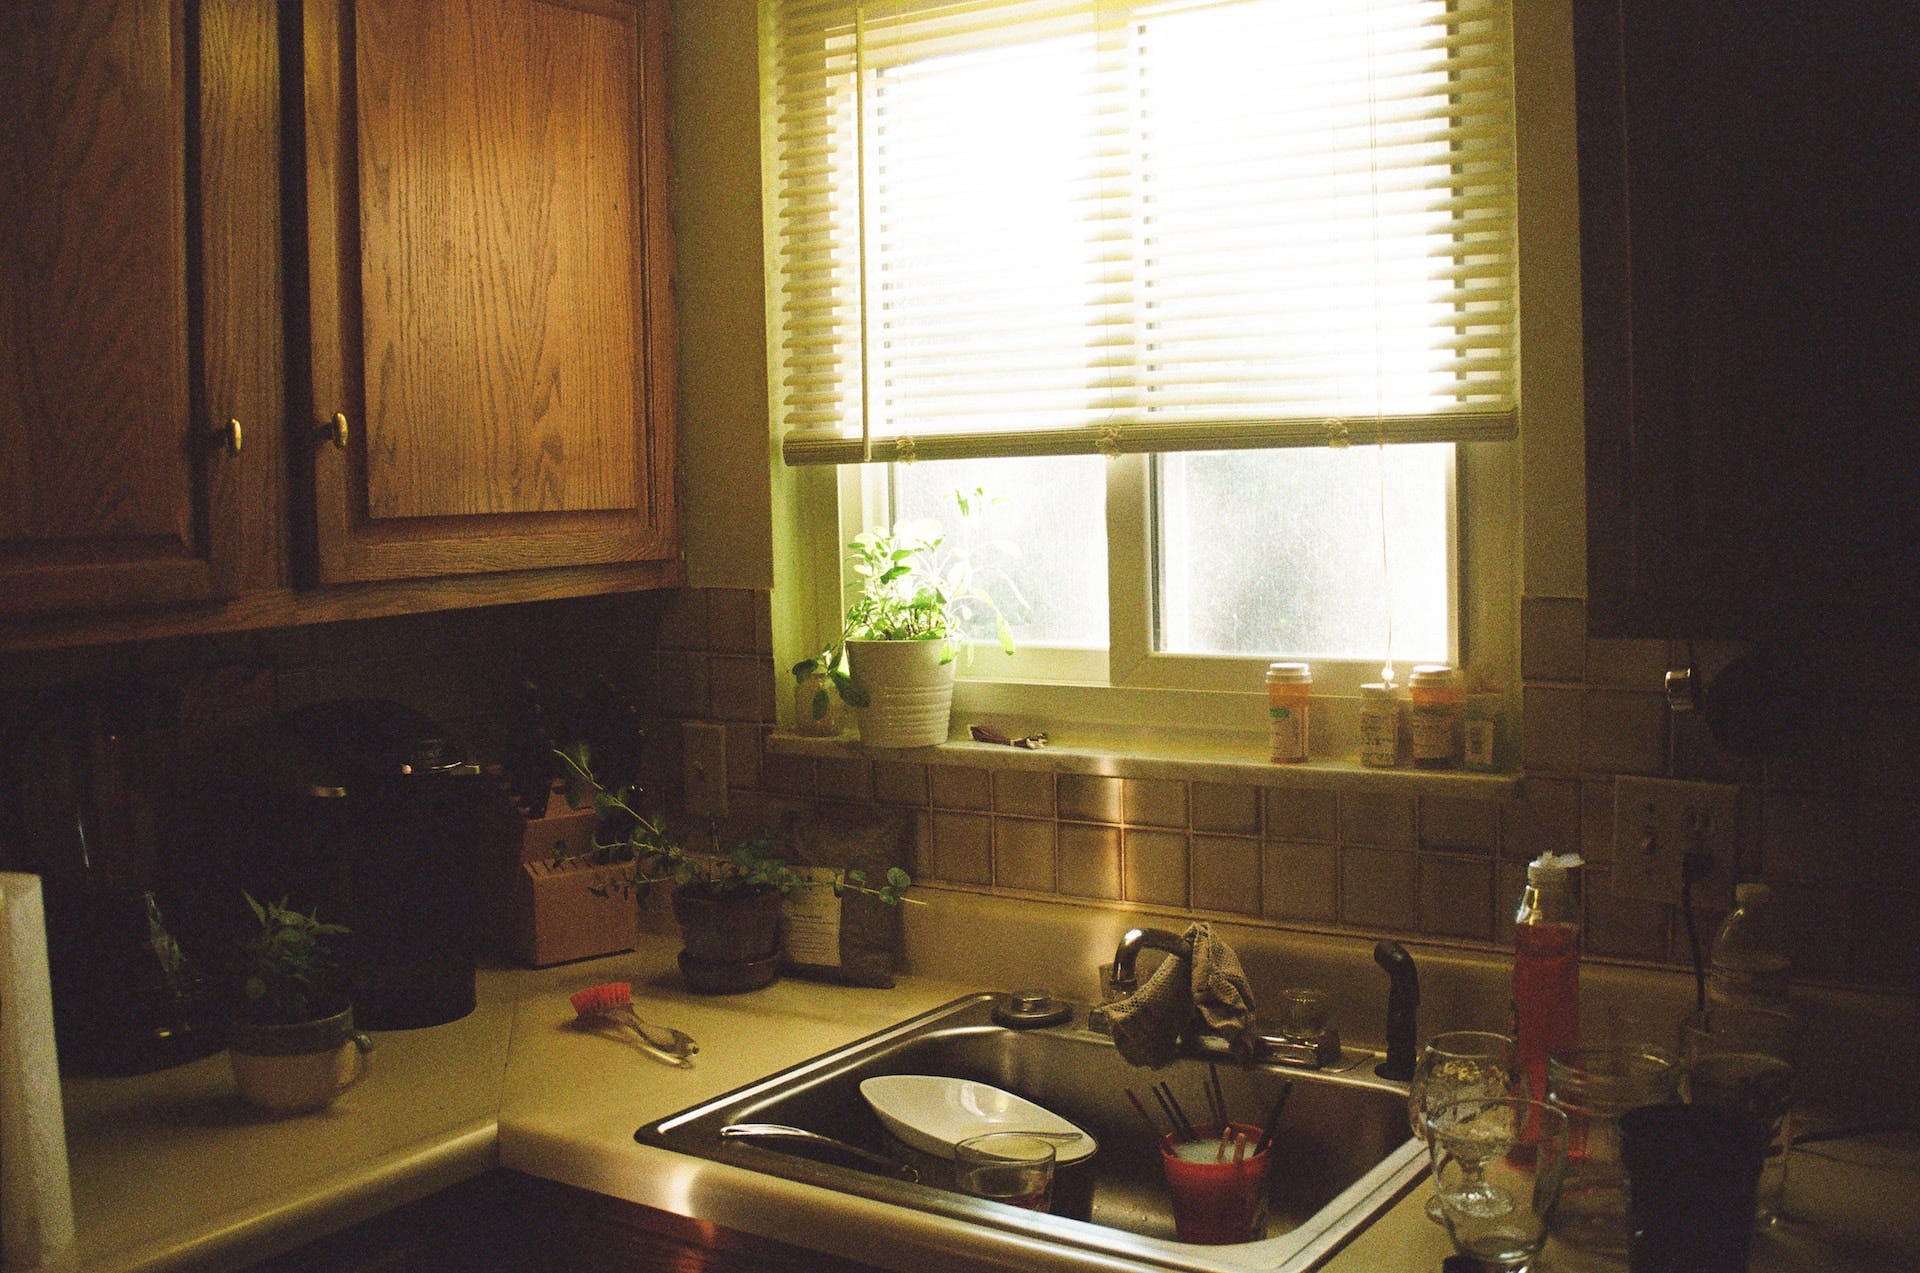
{"x": 1166, "y": 756}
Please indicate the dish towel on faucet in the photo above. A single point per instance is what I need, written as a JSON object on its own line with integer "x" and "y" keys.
{"x": 36, "y": 1199}
{"x": 1205, "y": 988}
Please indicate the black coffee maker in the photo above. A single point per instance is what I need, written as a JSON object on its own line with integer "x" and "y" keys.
{"x": 367, "y": 812}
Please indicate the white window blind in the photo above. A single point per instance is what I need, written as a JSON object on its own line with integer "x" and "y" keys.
{"x": 1042, "y": 227}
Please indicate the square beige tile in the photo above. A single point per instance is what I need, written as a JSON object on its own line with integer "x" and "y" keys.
{"x": 1378, "y": 819}
{"x": 1623, "y": 664}
{"x": 1089, "y": 798}
{"x": 846, "y": 778}
{"x": 788, "y": 775}
{"x": 742, "y": 687}
{"x": 1378, "y": 889}
{"x": 1624, "y": 733}
{"x": 1154, "y": 867}
{"x": 1300, "y": 813}
{"x": 1023, "y": 855}
{"x": 1625, "y": 927}
{"x": 963, "y": 847}
{"x": 1026, "y": 792}
{"x": 900, "y": 782}
{"x": 1806, "y": 838}
{"x": 744, "y": 743}
{"x": 1459, "y": 824}
{"x": 1226, "y": 873}
{"x": 1596, "y": 821}
{"x": 1154, "y": 802}
{"x": 1089, "y": 861}
{"x": 1299, "y": 882}
{"x": 1509, "y": 881}
{"x": 1456, "y": 896}
{"x": 1545, "y": 818}
{"x": 1550, "y": 730}
{"x": 1553, "y": 638}
{"x": 1888, "y": 836}
{"x": 685, "y": 684}
{"x": 683, "y": 620}
{"x": 730, "y": 620}
{"x": 961, "y": 787}
{"x": 1228, "y": 808}
{"x": 1815, "y": 916}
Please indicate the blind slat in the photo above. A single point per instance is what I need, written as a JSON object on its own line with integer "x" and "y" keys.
{"x": 1019, "y": 227}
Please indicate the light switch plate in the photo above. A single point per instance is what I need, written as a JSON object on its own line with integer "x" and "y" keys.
{"x": 703, "y": 746}
{"x": 1654, "y": 822}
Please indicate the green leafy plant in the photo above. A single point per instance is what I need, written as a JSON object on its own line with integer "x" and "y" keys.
{"x": 286, "y": 963}
{"x": 911, "y": 584}
{"x": 752, "y": 865}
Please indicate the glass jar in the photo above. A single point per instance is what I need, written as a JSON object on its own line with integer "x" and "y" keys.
{"x": 1594, "y": 1086}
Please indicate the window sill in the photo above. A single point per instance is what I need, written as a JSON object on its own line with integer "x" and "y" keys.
{"x": 1165, "y": 755}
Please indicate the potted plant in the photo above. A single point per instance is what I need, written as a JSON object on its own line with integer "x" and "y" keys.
{"x": 915, "y": 595}
{"x": 291, "y": 1040}
{"x": 728, "y": 905}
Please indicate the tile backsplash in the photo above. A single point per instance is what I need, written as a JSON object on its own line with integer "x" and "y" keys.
{"x": 1837, "y": 831}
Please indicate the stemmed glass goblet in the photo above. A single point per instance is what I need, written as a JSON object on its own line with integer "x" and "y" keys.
{"x": 1456, "y": 1065}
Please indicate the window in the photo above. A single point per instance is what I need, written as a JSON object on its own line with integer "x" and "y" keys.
{"x": 1210, "y": 293}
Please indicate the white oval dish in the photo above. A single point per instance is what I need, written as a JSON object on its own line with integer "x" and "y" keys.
{"x": 932, "y": 1114}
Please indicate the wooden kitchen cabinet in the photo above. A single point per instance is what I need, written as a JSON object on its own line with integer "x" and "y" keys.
{"x": 139, "y": 302}
{"x": 488, "y": 241}
{"x": 1750, "y": 272}
{"x": 444, "y": 221}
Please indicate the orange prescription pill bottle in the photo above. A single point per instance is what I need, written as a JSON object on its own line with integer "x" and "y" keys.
{"x": 1434, "y": 712}
{"x": 1289, "y": 686}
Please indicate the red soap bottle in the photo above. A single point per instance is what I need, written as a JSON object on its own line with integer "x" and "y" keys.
{"x": 1546, "y": 967}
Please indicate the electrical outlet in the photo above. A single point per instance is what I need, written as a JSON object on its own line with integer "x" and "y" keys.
{"x": 1656, "y": 821}
{"x": 703, "y": 746}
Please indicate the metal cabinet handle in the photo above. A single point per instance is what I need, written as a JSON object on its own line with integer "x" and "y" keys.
{"x": 334, "y": 431}
{"x": 228, "y": 437}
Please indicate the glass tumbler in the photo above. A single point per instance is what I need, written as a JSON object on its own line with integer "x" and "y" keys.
{"x": 1009, "y": 1167}
{"x": 1594, "y": 1086}
{"x": 1743, "y": 1059}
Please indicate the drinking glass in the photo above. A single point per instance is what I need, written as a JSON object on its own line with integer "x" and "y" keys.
{"x": 1497, "y": 1166}
{"x": 1743, "y": 1059}
{"x": 1010, "y": 1167}
{"x": 1457, "y": 1064}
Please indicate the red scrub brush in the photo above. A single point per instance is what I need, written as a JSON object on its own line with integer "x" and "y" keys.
{"x": 611, "y": 1004}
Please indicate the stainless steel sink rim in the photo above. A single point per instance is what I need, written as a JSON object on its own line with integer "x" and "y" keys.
{"x": 1301, "y": 1248}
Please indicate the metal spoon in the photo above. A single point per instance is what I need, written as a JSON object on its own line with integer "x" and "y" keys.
{"x": 780, "y": 1131}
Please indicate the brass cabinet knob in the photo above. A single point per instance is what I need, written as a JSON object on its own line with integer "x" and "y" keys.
{"x": 228, "y": 437}
{"x": 334, "y": 431}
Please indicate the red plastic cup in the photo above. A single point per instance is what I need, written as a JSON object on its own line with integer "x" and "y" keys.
{"x": 1215, "y": 1199}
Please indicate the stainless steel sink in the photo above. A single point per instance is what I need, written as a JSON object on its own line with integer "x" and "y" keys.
{"x": 1343, "y": 1152}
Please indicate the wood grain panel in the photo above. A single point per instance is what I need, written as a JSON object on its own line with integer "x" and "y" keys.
{"x": 489, "y": 250}
{"x": 102, "y": 468}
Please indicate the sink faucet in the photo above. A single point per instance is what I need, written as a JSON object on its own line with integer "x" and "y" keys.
{"x": 1305, "y": 1039}
{"x": 1124, "y": 980}
{"x": 1403, "y": 1003}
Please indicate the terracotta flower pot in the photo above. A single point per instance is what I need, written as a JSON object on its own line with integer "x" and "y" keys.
{"x": 732, "y": 941}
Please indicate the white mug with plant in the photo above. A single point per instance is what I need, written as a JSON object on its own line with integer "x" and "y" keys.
{"x": 292, "y": 1041}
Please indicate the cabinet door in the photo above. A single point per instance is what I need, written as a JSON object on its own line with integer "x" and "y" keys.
{"x": 138, "y": 301}
{"x": 489, "y": 272}
{"x": 1750, "y": 246}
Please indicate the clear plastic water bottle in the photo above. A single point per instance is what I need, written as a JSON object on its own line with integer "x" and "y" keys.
{"x": 1749, "y": 966}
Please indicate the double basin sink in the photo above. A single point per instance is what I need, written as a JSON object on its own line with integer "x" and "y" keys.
{"x": 1343, "y": 1153}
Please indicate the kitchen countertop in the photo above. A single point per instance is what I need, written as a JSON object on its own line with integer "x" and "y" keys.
{"x": 171, "y": 1171}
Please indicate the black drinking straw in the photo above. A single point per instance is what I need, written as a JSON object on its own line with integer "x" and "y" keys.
{"x": 1273, "y": 1117}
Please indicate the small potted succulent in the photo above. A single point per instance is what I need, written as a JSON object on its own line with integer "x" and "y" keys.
{"x": 728, "y": 905}
{"x": 291, "y": 1039}
{"x": 914, "y": 597}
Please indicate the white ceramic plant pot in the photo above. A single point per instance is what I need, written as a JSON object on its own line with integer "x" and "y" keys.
{"x": 909, "y": 691}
